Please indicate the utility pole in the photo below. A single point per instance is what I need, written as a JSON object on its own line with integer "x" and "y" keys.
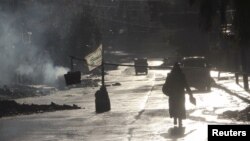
{"x": 102, "y": 67}
{"x": 102, "y": 101}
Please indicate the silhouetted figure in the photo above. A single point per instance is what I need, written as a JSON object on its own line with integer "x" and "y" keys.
{"x": 102, "y": 101}
{"x": 174, "y": 87}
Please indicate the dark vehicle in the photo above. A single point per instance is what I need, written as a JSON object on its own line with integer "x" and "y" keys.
{"x": 197, "y": 71}
{"x": 141, "y": 65}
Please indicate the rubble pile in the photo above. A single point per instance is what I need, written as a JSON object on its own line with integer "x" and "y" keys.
{"x": 21, "y": 91}
{"x": 90, "y": 82}
{"x": 11, "y": 108}
{"x": 243, "y": 115}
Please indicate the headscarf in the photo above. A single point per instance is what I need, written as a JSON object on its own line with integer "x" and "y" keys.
{"x": 176, "y": 68}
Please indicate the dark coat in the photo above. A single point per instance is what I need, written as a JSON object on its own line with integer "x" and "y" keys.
{"x": 176, "y": 84}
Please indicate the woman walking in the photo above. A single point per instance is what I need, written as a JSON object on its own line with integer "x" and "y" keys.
{"x": 174, "y": 87}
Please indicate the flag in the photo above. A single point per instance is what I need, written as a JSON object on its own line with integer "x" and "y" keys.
{"x": 94, "y": 59}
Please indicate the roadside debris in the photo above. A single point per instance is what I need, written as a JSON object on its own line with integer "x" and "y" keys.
{"x": 90, "y": 82}
{"x": 12, "y": 108}
{"x": 116, "y": 84}
{"x": 243, "y": 115}
{"x": 21, "y": 91}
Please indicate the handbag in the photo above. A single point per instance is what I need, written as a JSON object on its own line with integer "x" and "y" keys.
{"x": 165, "y": 89}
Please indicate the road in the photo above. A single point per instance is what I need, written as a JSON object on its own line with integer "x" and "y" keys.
{"x": 139, "y": 112}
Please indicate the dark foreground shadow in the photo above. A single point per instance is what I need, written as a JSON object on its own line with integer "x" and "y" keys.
{"x": 176, "y": 132}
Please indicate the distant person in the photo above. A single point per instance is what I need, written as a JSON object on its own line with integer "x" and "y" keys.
{"x": 174, "y": 87}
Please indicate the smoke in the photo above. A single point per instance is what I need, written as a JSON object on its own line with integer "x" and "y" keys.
{"x": 23, "y": 58}
{"x": 9, "y": 57}
{"x": 36, "y": 38}
{"x": 52, "y": 74}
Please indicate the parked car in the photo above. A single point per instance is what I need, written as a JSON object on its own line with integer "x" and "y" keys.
{"x": 197, "y": 71}
{"x": 141, "y": 65}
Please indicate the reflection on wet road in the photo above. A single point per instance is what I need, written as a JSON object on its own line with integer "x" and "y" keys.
{"x": 139, "y": 112}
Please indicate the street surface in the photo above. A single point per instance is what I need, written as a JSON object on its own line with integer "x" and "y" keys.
{"x": 139, "y": 112}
